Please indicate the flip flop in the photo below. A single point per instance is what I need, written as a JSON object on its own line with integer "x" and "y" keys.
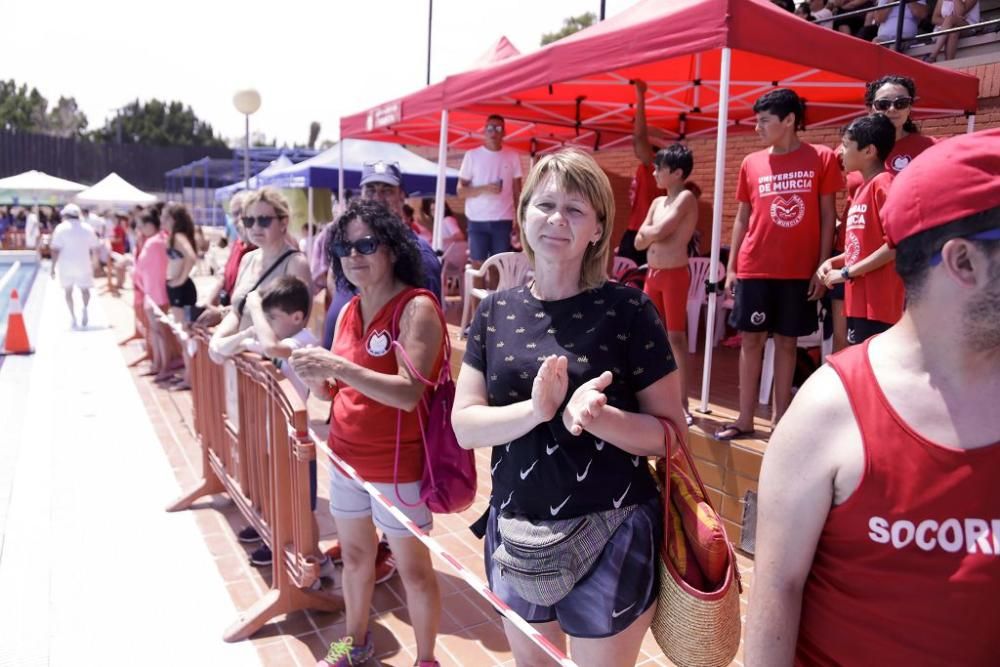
{"x": 731, "y": 432}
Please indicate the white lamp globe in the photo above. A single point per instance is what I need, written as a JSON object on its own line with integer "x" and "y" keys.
{"x": 246, "y": 101}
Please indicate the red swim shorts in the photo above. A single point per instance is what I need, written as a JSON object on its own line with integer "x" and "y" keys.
{"x": 668, "y": 288}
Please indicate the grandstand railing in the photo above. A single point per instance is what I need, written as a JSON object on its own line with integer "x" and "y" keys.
{"x": 898, "y": 42}
{"x": 255, "y": 444}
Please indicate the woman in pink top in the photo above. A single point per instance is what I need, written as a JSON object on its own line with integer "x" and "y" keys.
{"x": 151, "y": 277}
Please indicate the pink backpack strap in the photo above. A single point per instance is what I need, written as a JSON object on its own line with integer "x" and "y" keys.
{"x": 443, "y": 376}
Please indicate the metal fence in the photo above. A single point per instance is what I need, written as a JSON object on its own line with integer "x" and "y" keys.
{"x": 88, "y": 162}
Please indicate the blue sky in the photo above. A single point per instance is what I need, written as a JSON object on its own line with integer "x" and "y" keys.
{"x": 310, "y": 60}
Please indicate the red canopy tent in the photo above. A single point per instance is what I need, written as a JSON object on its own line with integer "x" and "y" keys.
{"x": 705, "y": 62}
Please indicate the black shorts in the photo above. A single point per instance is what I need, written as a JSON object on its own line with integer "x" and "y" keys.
{"x": 836, "y": 293}
{"x": 855, "y": 23}
{"x": 619, "y": 588}
{"x": 776, "y": 306}
{"x": 184, "y": 294}
{"x": 860, "y": 329}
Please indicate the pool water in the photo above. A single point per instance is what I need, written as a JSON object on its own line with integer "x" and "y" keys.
{"x": 21, "y": 281}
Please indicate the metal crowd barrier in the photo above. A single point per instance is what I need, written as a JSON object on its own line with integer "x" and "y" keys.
{"x": 255, "y": 445}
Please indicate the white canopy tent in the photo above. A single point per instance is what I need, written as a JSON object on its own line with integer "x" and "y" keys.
{"x": 37, "y": 187}
{"x": 111, "y": 190}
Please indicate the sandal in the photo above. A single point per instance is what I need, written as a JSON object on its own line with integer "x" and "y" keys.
{"x": 732, "y": 432}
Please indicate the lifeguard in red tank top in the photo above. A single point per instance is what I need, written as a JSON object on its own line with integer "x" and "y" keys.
{"x": 362, "y": 430}
{"x": 907, "y": 569}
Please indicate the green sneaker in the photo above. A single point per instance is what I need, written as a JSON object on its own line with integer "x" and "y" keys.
{"x": 343, "y": 653}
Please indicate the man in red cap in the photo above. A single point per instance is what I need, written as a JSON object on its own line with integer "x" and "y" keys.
{"x": 878, "y": 537}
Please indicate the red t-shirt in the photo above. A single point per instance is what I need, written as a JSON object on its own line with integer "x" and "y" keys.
{"x": 906, "y": 570}
{"x": 877, "y": 295}
{"x": 118, "y": 239}
{"x": 232, "y": 269}
{"x": 900, "y": 157}
{"x": 362, "y": 430}
{"x": 641, "y": 194}
{"x": 783, "y": 191}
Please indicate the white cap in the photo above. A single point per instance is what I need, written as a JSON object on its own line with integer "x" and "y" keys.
{"x": 70, "y": 211}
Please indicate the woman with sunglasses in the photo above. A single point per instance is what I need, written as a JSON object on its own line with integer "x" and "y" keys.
{"x": 893, "y": 96}
{"x": 374, "y": 424}
{"x": 265, "y": 219}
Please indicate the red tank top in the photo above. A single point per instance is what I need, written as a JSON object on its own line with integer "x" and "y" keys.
{"x": 362, "y": 430}
{"x": 907, "y": 570}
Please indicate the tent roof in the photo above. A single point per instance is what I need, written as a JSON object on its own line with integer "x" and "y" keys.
{"x": 419, "y": 174}
{"x": 113, "y": 189}
{"x": 227, "y": 191}
{"x": 578, "y": 90}
{"x": 38, "y": 181}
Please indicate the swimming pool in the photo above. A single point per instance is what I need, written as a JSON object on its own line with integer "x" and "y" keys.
{"x": 21, "y": 280}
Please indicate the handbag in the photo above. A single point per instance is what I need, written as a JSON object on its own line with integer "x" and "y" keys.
{"x": 543, "y": 560}
{"x": 694, "y": 627}
{"x": 448, "y": 485}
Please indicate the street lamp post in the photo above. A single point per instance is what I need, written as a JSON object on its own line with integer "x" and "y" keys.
{"x": 246, "y": 102}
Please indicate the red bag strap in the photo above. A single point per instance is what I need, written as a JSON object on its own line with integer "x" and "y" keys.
{"x": 670, "y": 430}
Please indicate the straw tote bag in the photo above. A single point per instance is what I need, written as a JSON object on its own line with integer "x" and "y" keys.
{"x": 694, "y": 628}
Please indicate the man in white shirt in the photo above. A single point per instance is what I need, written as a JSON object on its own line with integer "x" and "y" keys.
{"x": 32, "y": 228}
{"x": 73, "y": 246}
{"x": 490, "y": 182}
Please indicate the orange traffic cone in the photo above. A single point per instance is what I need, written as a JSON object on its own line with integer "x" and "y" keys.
{"x": 17, "y": 335}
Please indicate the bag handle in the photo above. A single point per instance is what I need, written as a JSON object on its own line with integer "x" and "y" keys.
{"x": 241, "y": 305}
{"x": 670, "y": 429}
{"x": 443, "y": 376}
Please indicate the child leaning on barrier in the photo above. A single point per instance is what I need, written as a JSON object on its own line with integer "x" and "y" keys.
{"x": 279, "y": 316}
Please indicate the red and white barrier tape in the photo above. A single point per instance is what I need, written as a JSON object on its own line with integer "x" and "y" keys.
{"x": 477, "y": 584}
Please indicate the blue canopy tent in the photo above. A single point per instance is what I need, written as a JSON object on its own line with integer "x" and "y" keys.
{"x": 224, "y": 193}
{"x": 321, "y": 171}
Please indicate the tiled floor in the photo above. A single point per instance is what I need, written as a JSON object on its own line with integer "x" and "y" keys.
{"x": 471, "y": 633}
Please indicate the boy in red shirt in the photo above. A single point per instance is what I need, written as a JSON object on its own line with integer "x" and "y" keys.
{"x": 784, "y": 226}
{"x": 873, "y": 299}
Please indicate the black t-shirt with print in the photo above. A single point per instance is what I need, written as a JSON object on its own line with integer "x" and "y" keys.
{"x": 548, "y": 473}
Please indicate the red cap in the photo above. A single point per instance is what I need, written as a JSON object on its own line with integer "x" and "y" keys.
{"x": 950, "y": 180}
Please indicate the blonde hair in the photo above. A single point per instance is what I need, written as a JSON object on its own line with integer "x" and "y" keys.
{"x": 576, "y": 172}
{"x": 270, "y": 196}
{"x": 237, "y": 201}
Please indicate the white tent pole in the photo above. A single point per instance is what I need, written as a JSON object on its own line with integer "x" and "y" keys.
{"x": 971, "y": 126}
{"x": 717, "y": 199}
{"x": 442, "y": 175}
{"x": 340, "y": 176}
{"x": 309, "y": 221}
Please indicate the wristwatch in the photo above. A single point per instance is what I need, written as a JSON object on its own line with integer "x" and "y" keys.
{"x": 845, "y": 273}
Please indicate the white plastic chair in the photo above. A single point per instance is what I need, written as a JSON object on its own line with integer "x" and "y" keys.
{"x": 698, "y": 296}
{"x": 621, "y": 266}
{"x": 814, "y": 339}
{"x": 513, "y": 270}
{"x": 453, "y": 261}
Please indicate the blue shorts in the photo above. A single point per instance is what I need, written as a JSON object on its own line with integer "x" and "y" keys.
{"x": 488, "y": 238}
{"x": 620, "y": 587}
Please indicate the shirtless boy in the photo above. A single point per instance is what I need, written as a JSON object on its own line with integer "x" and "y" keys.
{"x": 665, "y": 235}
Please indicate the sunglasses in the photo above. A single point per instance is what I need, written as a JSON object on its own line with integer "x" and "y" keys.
{"x": 899, "y": 103}
{"x": 365, "y": 246}
{"x": 264, "y": 221}
{"x": 988, "y": 235}
{"x": 494, "y": 129}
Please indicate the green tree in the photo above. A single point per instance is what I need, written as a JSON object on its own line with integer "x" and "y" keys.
{"x": 28, "y": 111}
{"x": 570, "y": 25}
{"x": 158, "y": 123}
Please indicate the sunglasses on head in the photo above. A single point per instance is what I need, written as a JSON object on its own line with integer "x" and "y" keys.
{"x": 264, "y": 221}
{"x": 365, "y": 246}
{"x": 899, "y": 103}
{"x": 988, "y": 235}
